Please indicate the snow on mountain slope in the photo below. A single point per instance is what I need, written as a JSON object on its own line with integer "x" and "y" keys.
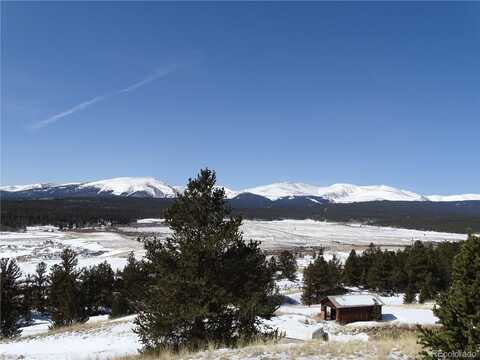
{"x": 15, "y": 188}
{"x": 346, "y": 193}
{"x": 340, "y": 193}
{"x": 283, "y": 191}
{"x": 229, "y": 193}
{"x": 463, "y": 197}
{"x": 128, "y": 186}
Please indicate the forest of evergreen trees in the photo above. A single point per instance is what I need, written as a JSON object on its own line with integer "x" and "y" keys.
{"x": 68, "y": 294}
{"x": 449, "y": 216}
{"x": 423, "y": 268}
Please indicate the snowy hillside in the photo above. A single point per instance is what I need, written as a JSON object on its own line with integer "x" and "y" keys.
{"x": 15, "y": 188}
{"x": 340, "y": 193}
{"x": 464, "y": 197}
{"x": 131, "y": 186}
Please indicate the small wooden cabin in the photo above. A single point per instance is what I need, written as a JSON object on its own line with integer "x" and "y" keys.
{"x": 349, "y": 308}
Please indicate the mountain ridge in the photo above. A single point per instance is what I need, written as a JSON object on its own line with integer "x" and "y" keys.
{"x": 275, "y": 192}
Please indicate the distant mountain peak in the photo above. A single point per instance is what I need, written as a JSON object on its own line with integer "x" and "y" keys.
{"x": 129, "y": 186}
{"x": 283, "y": 192}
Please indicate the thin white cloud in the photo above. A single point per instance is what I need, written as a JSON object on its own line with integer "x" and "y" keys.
{"x": 152, "y": 77}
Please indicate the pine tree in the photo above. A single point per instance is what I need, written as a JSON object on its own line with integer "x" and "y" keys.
{"x": 66, "y": 302}
{"x": 410, "y": 295}
{"x": 28, "y": 299}
{"x": 10, "y": 298}
{"x": 352, "y": 270}
{"x": 426, "y": 291}
{"x": 97, "y": 288}
{"x": 129, "y": 287}
{"x": 458, "y": 309}
{"x": 287, "y": 264}
{"x": 208, "y": 284}
{"x": 321, "y": 278}
{"x": 40, "y": 286}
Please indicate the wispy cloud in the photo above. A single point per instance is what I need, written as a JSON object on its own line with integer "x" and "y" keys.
{"x": 158, "y": 74}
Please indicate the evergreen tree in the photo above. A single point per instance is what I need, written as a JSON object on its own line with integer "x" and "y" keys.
{"x": 10, "y": 298}
{"x": 426, "y": 291}
{"x": 66, "y": 302}
{"x": 352, "y": 270}
{"x": 129, "y": 287}
{"x": 208, "y": 284}
{"x": 97, "y": 288}
{"x": 458, "y": 309}
{"x": 287, "y": 264}
{"x": 410, "y": 295}
{"x": 28, "y": 300}
{"x": 321, "y": 278}
{"x": 40, "y": 287}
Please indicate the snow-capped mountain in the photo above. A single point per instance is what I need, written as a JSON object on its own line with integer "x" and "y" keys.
{"x": 132, "y": 186}
{"x": 279, "y": 194}
{"x": 15, "y": 188}
{"x": 123, "y": 186}
{"x": 464, "y": 197}
{"x": 338, "y": 193}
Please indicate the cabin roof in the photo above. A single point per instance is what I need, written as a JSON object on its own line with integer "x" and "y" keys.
{"x": 347, "y": 301}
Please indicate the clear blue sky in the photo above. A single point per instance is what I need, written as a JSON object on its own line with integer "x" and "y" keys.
{"x": 366, "y": 93}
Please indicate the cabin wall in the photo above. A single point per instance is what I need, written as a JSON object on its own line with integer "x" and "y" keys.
{"x": 347, "y": 315}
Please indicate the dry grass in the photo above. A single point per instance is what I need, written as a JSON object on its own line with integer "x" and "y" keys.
{"x": 379, "y": 348}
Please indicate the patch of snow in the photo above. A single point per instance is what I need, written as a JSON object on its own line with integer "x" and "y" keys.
{"x": 348, "y": 337}
{"x": 149, "y": 221}
{"x": 356, "y": 300}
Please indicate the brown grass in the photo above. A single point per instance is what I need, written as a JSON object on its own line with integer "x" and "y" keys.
{"x": 378, "y": 348}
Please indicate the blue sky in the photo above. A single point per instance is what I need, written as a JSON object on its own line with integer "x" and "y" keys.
{"x": 365, "y": 93}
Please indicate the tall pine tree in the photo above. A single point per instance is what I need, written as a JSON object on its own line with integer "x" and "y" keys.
{"x": 458, "y": 309}
{"x": 287, "y": 265}
{"x": 10, "y": 298}
{"x": 40, "y": 286}
{"x": 352, "y": 270}
{"x": 66, "y": 301}
{"x": 321, "y": 278}
{"x": 208, "y": 284}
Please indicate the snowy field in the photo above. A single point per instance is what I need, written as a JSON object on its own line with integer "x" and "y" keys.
{"x": 103, "y": 339}
{"x": 46, "y": 243}
{"x": 304, "y": 233}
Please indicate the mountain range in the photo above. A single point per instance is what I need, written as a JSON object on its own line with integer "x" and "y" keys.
{"x": 280, "y": 193}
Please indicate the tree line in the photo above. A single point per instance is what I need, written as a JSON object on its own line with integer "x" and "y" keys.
{"x": 67, "y": 294}
{"x": 81, "y": 212}
{"x": 422, "y": 268}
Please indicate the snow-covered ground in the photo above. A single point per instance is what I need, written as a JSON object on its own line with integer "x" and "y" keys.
{"x": 299, "y": 233}
{"x": 46, "y": 243}
{"x": 101, "y": 338}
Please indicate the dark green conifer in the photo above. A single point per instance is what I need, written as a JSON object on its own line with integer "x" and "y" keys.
{"x": 321, "y": 278}
{"x": 287, "y": 264}
{"x": 458, "y": 309}
{"x": 66, "y": 301}
{"x": 10, "y": 298}
{"x": 40, "y": 286}
{"x": 410, "y": 295}
{"x": 208, "y": 284}
{"x": 352, "y": 270}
